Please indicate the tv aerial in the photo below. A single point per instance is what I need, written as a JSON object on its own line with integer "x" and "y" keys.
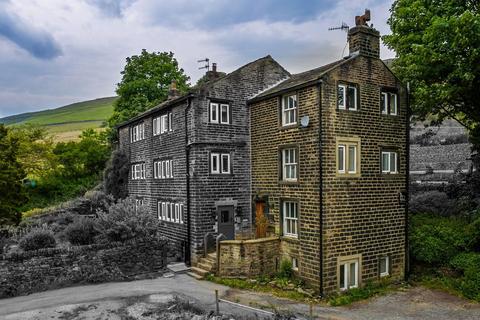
{"x": 206, "y": 65}
{"x": 343, "y": 27}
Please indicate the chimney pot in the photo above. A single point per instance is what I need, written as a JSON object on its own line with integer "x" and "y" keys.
{"x": 173, "y": 91}
{"x": 364, "y": 39}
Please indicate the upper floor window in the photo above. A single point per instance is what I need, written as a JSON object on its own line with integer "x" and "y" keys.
{"x": 219, "y": 113}
{"x": 388, "y": 103}
{"x": 290, "y": 219}
{"x": 220, "y": 163}
{"x": 137, "y": 132}
{"x": 289, "y": 164}
{"x": 347, "y": 97}
{"x": 138, "y": 171}
{"x": 348, "y": 155}
{"x": 389, "y": 162}
{"x": 289, "y": 110}
{"x": 163, "y": 169}
{"x": 170, "y": 211}
{"x": 162, "y": 124}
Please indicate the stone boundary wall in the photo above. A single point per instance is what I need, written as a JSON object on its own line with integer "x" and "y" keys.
{"x": 27, "y": 272}
{"x": 248, "y": 258}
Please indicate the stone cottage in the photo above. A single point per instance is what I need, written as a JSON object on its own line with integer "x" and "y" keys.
{"x": 330, "y": 167}
{"x": 190, "y": 156}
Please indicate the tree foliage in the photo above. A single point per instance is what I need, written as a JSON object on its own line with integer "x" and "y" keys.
{"x": 12, "y": 194}
{"x": 145, "y": 83}
{"x": 115, "y": 177}
{"x": 438, "y": 52}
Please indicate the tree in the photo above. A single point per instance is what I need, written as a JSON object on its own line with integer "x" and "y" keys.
{"x": 438, "y": 52}
{"x": 12, "y": 194}
{"x": 145, "y": 83}
{"x": 116, "y": 175}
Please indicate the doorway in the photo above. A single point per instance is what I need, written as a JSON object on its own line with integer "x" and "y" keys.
{"x": 225, "y": 220}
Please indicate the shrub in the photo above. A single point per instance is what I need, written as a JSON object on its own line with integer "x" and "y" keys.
{"x": 115, "y": 176}
{"x": 37, "y": 238}
{"x": 286, "y": 269}
{"x": 438, "y": 239}
{"x": 434, "y": 202}
{"x": 82, "y": 232}
{"x": 124, "y": 221}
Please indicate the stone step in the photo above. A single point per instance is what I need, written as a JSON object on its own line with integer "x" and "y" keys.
{"x": 199, "y": 271}
{"x": 209, "y": 261}
{"x": 212, "y": 255}
{"x": 194, "y": 275}
{"x": 179, "y": 267}
{"x": 206, "y": 266}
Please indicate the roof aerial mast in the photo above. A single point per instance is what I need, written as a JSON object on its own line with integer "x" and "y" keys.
{"x": 343, "y": 27}
{"x": 206, "y": 65}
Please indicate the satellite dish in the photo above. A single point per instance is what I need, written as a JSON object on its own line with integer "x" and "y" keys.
{"x": 304, "y": 121}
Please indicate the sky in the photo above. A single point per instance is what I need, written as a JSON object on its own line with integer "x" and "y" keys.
{"x": 57, "y": 52}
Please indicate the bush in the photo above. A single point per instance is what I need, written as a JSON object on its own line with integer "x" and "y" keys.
{"x": 436, "y": 240}
{"x": 82, "y": 232}
{"x": 286, "y": 269}
{"x": 124, "y": 221}
{"x": 434, "y": 202}
{"x": 37, "y": 238}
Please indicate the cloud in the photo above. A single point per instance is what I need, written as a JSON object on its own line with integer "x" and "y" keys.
{"x": 37, "y": 42}
{"x": 112, "y": 8}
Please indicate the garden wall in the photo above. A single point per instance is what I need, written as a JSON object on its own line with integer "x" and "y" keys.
{"x": 27, "y": 272}
{"x": 248, "y": 258}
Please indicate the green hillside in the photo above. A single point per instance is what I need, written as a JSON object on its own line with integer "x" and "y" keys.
{"x": 67, "y": 122}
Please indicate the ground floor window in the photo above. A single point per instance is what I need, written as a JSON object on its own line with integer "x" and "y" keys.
{"x": 170, "y": 211}
{"x": 290, "y": 219}
{"x": 294, "y": 264}
{"x": 348, "y": 273}
{"x": 384, "y": 266}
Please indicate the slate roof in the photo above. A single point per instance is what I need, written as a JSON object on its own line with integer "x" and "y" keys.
{"x": 300, "y": 79}
{"x": 192, "y": 92}
{"x": 441, "y": 157}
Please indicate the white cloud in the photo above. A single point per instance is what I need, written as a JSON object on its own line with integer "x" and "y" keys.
{"x": 95, "y": 45}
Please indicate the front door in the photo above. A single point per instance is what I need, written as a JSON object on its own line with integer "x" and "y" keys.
{"x": 226, "y": 222}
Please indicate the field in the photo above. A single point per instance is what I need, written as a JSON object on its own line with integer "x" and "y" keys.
{"x": 66, "y": 123}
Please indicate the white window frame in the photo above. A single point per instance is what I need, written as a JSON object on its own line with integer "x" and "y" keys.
{"x": 394, "y": 97}
{"x": 214, "y": 106}
{"x": 138, "y": 171}
{"x": 170, "y": 211}
{"x": 225, "y": 170}
{"x": 170, "y": 118}
{"x": 167, "y": 169}
{"x": 294, "y": 264}
{"x": 345, "y": 99}
{"x": 137, "y": 132}
{"x": 388, "y": 97}
{"x": 354, "y": 171}
{"x": 389, "y": 154}
{"x": 293, "y": 164}
{"x": 290, "y": 220}
{"x": 217, "y": 157}
{"x": 287, "y": 110}
{"x": 387, "y": 266}
{"x": 163, "y": 123}
{"x": 346, "y": 274}
{"x": 342, "y": 169}
{"x": 384, "y": 107}
{"x": 181, "y": 208}
{"x": 343, "y": 146}
{"x": 227, "y": 107}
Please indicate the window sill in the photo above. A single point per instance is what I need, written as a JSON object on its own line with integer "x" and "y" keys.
{"x": 293, "y": 239}
{"x": 347, "y": 110}
{"x": 289, "y": 126}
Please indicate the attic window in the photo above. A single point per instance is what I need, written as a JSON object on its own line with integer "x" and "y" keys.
{"x": 289, "y": 110}
{"x": 388, "y": 103}
{"x": 219, "y": 113}
{"x": 347, "y": 97}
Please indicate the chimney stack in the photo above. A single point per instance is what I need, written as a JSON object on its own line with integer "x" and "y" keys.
{"x": 363, "y": 38}
{"x": 214, "y": 73}
{"x": 173, "y": 91}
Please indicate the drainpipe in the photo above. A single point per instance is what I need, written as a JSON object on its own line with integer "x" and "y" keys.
{"x": 407, "y": 181}
{"x": 320, "y": 170}
{"x": 188, "y": 250}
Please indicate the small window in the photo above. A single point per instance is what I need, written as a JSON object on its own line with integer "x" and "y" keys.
{"x": 137, "y": 132}
{"x": 138, "y": 171}
{"x": 214, "y": 112}
{"x": 138, "y": 204}
{"x": 177, "y": 212}
{"x": 348, "y": 274}
{"x": 384, "y": 266}
{"x": 164, "y": 125}
{"x": 388, "y": 103}
{"x": 290, "y": 219}
{"x": 348, "y": 156}
{"x": 289, "y": 110}
{"x": 215, "y": 163}
{"x": 224, "y": 114}
{"x": 220, "y": 163}
{"x": 225, "y": 163}
{"x": 289, "y": 164}
{"x": 347, "y": 97}
{"x": 389, "y": 162}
